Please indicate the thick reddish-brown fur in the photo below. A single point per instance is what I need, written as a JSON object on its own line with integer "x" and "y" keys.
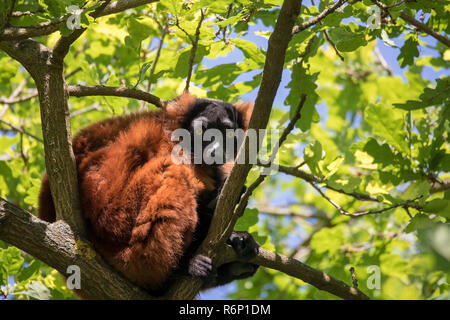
{"x": 139, "y": 207}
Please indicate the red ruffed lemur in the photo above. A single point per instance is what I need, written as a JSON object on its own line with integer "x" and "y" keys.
{"x": 145, "y": 214}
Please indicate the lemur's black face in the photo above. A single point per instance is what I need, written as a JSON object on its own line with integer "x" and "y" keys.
{"x": 207, "y": 114}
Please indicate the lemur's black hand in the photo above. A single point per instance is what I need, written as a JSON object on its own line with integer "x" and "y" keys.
{"x": 201, "y": 266}
{"x": 243, "y": 244}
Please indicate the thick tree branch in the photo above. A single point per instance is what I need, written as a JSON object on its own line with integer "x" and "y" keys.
{"x": 318, "y": 279}
{"x": 56, "y": 245}
{"x": 47, "y": 73}
{"x": 299, "y": 270}
{"x": 84, "y": 91}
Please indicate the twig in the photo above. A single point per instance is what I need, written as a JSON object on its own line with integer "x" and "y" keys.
{"x": 363, "y": 213}
{"x": 18, "y": 129}
{"x": 18, "y": 99}
{"x": 70, "y": 74}
{"x": 62, "y": 46}
{"x": 354, "y": 279}
{"x": 319, "y": 17}
{"x": 164, "y": 31}
{"x": 95, "y": 106}
{"x": 15, "y": 99}
{"x": 423, "y": 27}
{"x": 382, "y": 61}
{"x": 244, "y": 199}
{"x": 276, "y": 211}
{"x": 325, "y": 32}
{"x": 296, "y": 172}
{"x": 12, "y": 97}
{"x": 194, "y": 42}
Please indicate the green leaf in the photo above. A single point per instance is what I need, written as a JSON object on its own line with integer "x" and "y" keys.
{"x": 389, "y": 124}
{"x": 25, "y": 274}
{"x": 438, "y": 206}
{"x": 248, "y": 219}
{"x": 38, "y": 291}
{"x": 429, "y": 97}
{"x": 328, "y": 239}
{"x": 334, "y": 166}
{"x": 32, "y": 197}
{"x": 55, "y": 7}
{"x": 419, "y": 221}
{"x": 303, "y": 83}
{"x": 417, "y": 189}
{"x": 140, "y": 29}
{"x": 10, "y": 262}
{"x": 312, "y": 155}
{"x": 408, "y": 52}
{"x": 347, "y": 40}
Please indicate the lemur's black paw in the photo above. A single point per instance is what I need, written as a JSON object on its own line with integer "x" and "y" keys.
{"x": 243, "y": 244}
{"x": 201, "y": 266}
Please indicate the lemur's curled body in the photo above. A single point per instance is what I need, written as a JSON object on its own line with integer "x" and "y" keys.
{"x": 145, "y": 214}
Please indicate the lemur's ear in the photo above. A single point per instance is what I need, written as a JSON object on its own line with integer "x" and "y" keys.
{"x": 179, "y": 106}
{"x": 245, "y": 109}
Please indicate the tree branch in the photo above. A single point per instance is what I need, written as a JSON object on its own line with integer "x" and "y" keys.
{"x": 62, "y": 46}
{"x": 296, "y": 172}
{"x": 318, "y": 18}
{"x": 299, "y": 270}
{"x": 56, "y": 245}
{"x": 194, "y": 43}
{"x": 244, "y": 199}
{"x": 423, "y": 27}
{"x": 419, "y": 25}
{"x": 21, "y": 130}
{"x": 405, "y": 204}
{"x": 318, "y": 279}
{"x": 48, "y": 27}
{"x": 84, "y": 91}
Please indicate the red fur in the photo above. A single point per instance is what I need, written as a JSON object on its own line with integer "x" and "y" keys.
{"x": 140, "y": 207}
